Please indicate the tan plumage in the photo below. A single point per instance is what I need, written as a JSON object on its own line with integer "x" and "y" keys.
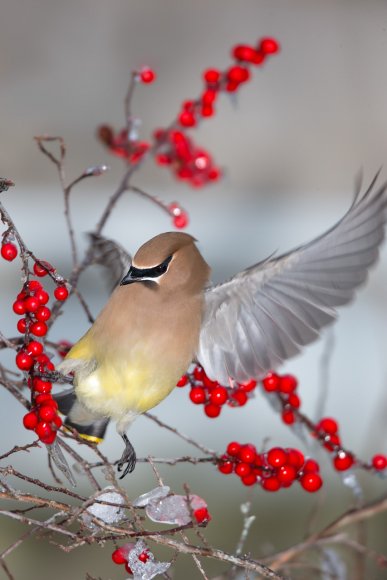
{"x": 162, "y": 316}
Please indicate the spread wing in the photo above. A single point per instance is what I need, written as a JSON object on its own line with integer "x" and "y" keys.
{"x": 112, "y": 256}
{"x": 265, "y": 314}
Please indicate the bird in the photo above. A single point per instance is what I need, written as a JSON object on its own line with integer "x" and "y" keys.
{"x": 165, "y": 314}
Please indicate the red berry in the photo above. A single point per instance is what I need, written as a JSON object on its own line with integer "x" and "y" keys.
{"x": 187, "y": 119}
{"x": 212, "y": 410}
{"x": 43, "y": 313}
{"x": 311, "y": 466}
{"x": 118, "y": 557}
{"x": 294, "y": 400}
{"x": 379, "y": 462}
{"x": 197, "y": 395}
{"x": 49, "y": 438}
{"x": 18, "y": 307}
{"x": 57, "y": 422}
{"x": 328, "y": 425}
{"x": 276, "y": 457}
{"x": 214, "y": 174}
{"x": 61, "y": 293}
{"x": 38, "y": 328}
{"x": 41, "y": 386}
{"x": 332, "y": 441}
{"x": 46, "y": 399}
{"x": 143, "y": 557}
{"x": 24, "y": 361}
{"x": 247, "y": 454}
{"x": 42, "y": 296}
{"x": 295, "y": 458}
{"x": 163, "y": 159}
{"x": 128, "y": 569}
{"x": 34, "y": 348}
{"x": 243, "y": 52}
{"x": 288, "y": 383}
{"x": 31, "y": 304}
{"x": 247, "y": 387}
{"x": 250, "y": 479}
{"x": 209, "y": 96}
{"x": 271, "y": 382}
{"x": 226, "y": 467}
{"x": 8, "y": 251}
{"x": 269, "y": 46}
{"x": 183, "y": 381}
{"x": 40, "y": 271}
{"x": 243, "y": 469}
{"x": 311, "y": 482}
{"x": 30, "y": 420}
{"x": 207, "y": 111}
{"x": 211, "y": 75}
{"x": 219, "y": 396}
{"x": 240, "y": 397}
{"x": 233, "y": 448}
{"x": 271, "y": 484}
{"x": 287, "y": 474}
{"x": 33, "y": 285}
{"x": 147, "y": 75}
{"x": 202, "y": 515}
{"x": 22, "y": 325}
{"x": 288, "y": 417}
{"x": 343, "y": 461}
{"x": 238, "y": 74}
{"x": 43, "y": 430}
{"x": 258, "y": 58}
{"x": 207, "y": 382}
{"x": 46, "y": 413}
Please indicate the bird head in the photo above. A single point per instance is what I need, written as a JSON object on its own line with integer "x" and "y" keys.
{"x": 169, "y": 261}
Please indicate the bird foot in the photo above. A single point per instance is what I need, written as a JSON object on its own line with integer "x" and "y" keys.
{"x": 128, "y": 458}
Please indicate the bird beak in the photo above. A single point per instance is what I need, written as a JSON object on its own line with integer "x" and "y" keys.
{"x": 129, "y": 278}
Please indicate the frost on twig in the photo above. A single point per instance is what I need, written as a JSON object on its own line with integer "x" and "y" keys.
{"x": 109, "y": 514}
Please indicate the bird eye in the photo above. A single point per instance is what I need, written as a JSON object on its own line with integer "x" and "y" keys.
{"x": 162, "y": 268}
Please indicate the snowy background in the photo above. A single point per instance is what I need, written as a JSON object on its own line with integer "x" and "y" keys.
{"x": 291, "y": 146}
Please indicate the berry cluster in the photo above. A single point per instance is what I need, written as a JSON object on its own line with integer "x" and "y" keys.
{"x": 212, "y": 395}
{"x": 31, "y": 305}
{"x": 121, "y": 145}
{"x": 120, "y": 556}
{"x": 187, "y": 161}
{"x": 284, "y": 386}
{"x": 272, "y": 470}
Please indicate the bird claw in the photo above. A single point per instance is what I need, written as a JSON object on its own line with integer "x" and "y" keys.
{"x": 128, "y": 458}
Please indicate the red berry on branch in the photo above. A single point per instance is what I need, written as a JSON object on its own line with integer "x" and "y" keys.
{"x": 31, "y": 304}
{"x": 22, "y": 325}
{"x": 331, "y": 441}
{"x": 61, "y": 293}
{"x": 287, "y": 474}
{"x": 202, "y": 515}
{"x": 295, "y": 458}
{"x": 271, "y": 484}
{"x": 226, "y": 467}
{"x": 240, "y": 397}
{"x": 118, "y": 557}
{"x": 287, "y": 384}
{"x": 379, "y": 462}
{"x": 197, "y": 395}
{"x": 187, "y": 119}
{"x": 343, "y": 461}
{"x": 311, "y": 482}
{"x": 250, "y": 479}
{"x": 328, "y": 425}
{"x": 41, "y": 386}
{"x": 38, "y": 328}
{"x": 211, "y": 76}
{"x": 144, "y": 556}
{"x": 24, "y": 361}
{"x": 243, "y": 52}
{"x": 18, "y": 307}
{"x": 276, "y": 457}
{"x": 269, "y": 46}
{"x": 219, "y": 396}
{"x": 49, "y": 438}
{"x": 34, "y": 348}
{"x": 212, "y": 410}
{"x": 238, "y": 74}
{"x": 43, "y": 429}
{"x": 147, "y": 75}
{"x": 128, "y": 569}
{"x": 243, "y": 469}
{"x": 294, "y": 400}
{"x": 183, "y": 381}
{"x": 248, "y": 387}
{"x": 30, "y": 420}
{"x": 311, "y": 466}
{"x": 247, "y": 454}
{"x": 288, "y": 417}
{"x": 33, "y": 285}
{"x": 47, "y": 413}
{"x": 233, "y": 448}
{"x": 43, "y": 313}
{"x": 40, "y": 271}
{"x": 271, "y": 382}
{"x": 42, "y": 296}
{"x": 8, "y": 251}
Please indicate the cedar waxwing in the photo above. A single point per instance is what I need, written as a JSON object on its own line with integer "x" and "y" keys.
{"x": 164, "y": 315}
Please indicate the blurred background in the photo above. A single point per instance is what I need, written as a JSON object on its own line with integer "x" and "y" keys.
{"x": 291, "y": 145}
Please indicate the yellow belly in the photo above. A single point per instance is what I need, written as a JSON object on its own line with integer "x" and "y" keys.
{"x": 120, "y": 387}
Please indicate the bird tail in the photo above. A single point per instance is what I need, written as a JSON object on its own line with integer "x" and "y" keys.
{"x": 85, "y": 423}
